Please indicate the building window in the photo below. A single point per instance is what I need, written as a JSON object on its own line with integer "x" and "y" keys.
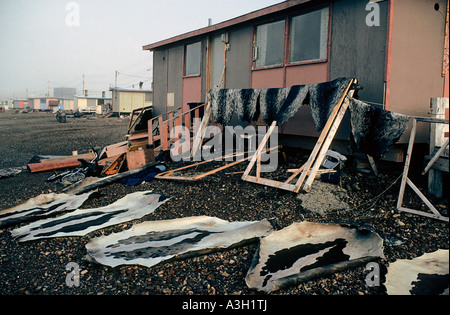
{"x": 148, "y": 97}
{"x": 269, "y": 44}
{"x": 308, "y": 36}
{"x": 192, "y": 60}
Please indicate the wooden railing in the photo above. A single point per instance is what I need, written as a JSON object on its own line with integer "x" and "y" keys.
{"x": 161, "y": 127}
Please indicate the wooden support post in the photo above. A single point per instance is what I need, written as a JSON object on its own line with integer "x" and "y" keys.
{"x": 373, "y": 165}
{"x": 406, "y": 181}
{"x": 187, "y": 120}
{"x": 259, "y": 151}
{"x": 436, "y": 157}
{"x": 438, "y": 108}
{"x": 317, "y": 155}
{"x": 407, "y": 161}
{"x": 324, "y": 138}
{"x": 200, "y": 134}
{"x": 150, "y": 132}
{"x": 165, "y": 136}
{"x": 335, "y": 121}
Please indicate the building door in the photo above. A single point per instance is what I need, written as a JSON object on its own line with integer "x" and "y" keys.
{"x": 192, "y": 76}
{"x": 217, "y": 62}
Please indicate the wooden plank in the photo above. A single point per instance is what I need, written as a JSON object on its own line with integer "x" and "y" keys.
{"x": 165, "y": 136}
{"x": 150, "y": 131}
{"x": 296, "y": 173}
{"x": 322, "y": 137}
{"x": 259, "y": 151}
{"x": 343, "y": 105}
{"x": 271, "y": 183}
{"x": 187, "y": 120}
{"x": 115, "y": 166}
{"x": 436, "y": 157}
{"x": 422, "y": 196}
{"x": 138, "y": 136}
{"x": 424, "y": 214}
{"x": 53, "y": 166}
{"x": 198, "y": 140}
{"x": 441, "y": 164}
{"x": 407, "y": 161}
{"x": 88, "y": 157}
{"x": 373, "y": 165}
{"x": 167, "y": 175}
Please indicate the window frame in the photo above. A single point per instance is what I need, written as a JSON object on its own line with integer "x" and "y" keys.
{"x": 327, "y": 44}
{"x": 254, "y": 36}
{"x": 185, "y": 75}
{"x": 287, "y": 40}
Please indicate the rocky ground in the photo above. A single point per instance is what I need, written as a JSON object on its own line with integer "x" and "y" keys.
{"x": 39, "y": 268}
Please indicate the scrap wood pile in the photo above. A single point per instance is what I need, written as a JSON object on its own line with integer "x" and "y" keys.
{"x": 283, "y": 257}
{"x": 131, "y": 160}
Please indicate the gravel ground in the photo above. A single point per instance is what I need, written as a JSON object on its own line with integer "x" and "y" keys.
{"x": 39, "y": 268}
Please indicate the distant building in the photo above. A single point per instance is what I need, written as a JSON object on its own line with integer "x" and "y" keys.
{"x": 91, "y": 104}
{"x": 125, "y": 101}
{"x": 7, "y": 104}
{"x": 66, "y": 104}
{"x": 64, "y": 93}
{"x": 400, "y": 57}
{"x": 20, "y": 103}
{"x": 43, "y": 103}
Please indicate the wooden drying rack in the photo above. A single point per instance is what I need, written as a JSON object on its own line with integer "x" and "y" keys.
{"x": 311, "y": 168}
{"x": 406, "y": 181}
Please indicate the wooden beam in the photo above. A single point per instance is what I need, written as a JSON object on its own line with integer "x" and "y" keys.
{"x": 407, "y": 181}
{"x": 407, "y": 161}
{"x": 436, "y": 157}
{"x": 323, "y": 138}
{"x": 328, "y": 133}
{"x": 167, "y": 175}
{"x": 260, "y": 150}
{"x": 198, "y": 139}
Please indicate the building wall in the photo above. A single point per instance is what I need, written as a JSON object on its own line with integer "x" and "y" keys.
{"x": 239, "y": 58}
{"x": 358, "y": 50}
{"x": 160, "y": 58}
{"x": 403, "y": 80}
{"x": 35, "y": 103}
{"x": 127, "y": 101}
{"x": 81, "y": 104}
{"x": 175, "y": 77}
{"x": 419, "y": 57}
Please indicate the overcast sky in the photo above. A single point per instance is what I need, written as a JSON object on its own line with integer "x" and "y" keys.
{"x": 46, "y": 40}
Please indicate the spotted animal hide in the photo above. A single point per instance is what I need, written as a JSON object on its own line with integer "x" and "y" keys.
{"x": 41, "y": 206}
{"x": 323, "y": 98}
{"x": 374, "y": 129}
{"x": 296, "y": 96}
{"x": 278, "y": 104}
{"x": 305, "y": 250}
{"x": 151, "y": 243}
{"x": 83, "y": 221}
{"x": 424, "y": 275}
